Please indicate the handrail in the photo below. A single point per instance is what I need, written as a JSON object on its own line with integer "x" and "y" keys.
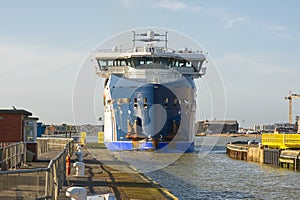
{"x": 12, "y": 155}
{"x": 24, "y": 171}
{"x": 55, "y": 172}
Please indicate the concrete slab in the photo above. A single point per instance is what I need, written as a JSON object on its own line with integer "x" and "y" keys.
{"x": 105, "y": 174}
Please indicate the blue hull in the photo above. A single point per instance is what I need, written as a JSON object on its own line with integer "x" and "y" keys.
{"x": 139, "y": 113}
{"x": 164, "y": 147}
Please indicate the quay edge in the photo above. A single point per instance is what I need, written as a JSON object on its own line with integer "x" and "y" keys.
{"x": 286, "y": 158}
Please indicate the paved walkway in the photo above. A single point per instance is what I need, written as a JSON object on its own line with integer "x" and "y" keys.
{"x": 104, "y": 173}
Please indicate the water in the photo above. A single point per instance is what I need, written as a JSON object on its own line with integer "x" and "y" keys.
{"x": 211, "y": 174}
{"x": 216, "y": 176}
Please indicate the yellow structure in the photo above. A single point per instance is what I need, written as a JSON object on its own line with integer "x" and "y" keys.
{"x": 100, "y": 137}
{"x": 281, "y": 141}
{"x": 82, "y": 138}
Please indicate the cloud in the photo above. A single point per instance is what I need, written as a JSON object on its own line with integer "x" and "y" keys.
{"x": 257, "y": 83}
{"x": 128, "y": 3}
{"x": 233, "y": 21}
{"x": 162, "y": 4}
{"x": 259, "y": 66}
{"x": 31, "y": 59}
{"x": 278, "y": 28}
{"x": 283, "y": 32}
{"x": 226, "y": 17}
{"x": 171, "y": 5}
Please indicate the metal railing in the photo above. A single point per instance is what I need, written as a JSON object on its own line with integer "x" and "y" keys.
{"x": 38, "y": 183}
{"x": 56, "y": 174}
{"x": 52, "y": 144}
{"x": 12, "y": 155}
{"x": 281, "y": 141}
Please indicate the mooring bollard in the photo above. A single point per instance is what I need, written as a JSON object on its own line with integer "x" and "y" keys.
{"x": 79, "y": 153}
{"x": 79, "y": 166}
{"x": 76, "y": 193}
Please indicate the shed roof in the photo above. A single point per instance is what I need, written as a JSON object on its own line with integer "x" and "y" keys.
{"x": 15, "y": 111}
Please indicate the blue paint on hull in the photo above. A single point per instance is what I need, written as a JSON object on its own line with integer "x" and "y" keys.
{"x": 137, "y": 102}
{"x": 163, "y": 147}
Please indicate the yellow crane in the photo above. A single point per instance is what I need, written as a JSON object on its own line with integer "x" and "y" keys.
{"x": 290, "y": 99}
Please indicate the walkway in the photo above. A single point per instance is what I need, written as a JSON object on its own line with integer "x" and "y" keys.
{"x": 115, "y": 176}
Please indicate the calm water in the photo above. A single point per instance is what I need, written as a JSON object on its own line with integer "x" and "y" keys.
{"x": 210, "y": 174}
{"x": 213, "y": 175}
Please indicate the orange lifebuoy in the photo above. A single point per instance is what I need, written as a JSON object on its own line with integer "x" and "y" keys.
{"x": 68, "y": 164}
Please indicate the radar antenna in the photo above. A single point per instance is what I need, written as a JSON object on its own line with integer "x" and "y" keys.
{"x": 150, "y": 37}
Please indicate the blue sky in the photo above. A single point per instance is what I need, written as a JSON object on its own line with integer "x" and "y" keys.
{"x": 255, "y": 45}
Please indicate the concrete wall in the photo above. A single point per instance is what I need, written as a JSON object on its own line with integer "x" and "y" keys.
{"x": 255, "y": 154}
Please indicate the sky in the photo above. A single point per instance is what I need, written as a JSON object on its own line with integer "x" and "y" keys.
{"x": 254, "y": 46}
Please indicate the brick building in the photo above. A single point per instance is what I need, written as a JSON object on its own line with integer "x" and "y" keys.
{"x": 17, "y": 125}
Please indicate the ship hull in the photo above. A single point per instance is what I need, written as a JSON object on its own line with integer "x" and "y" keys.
{"x": 164, "y": 147}
{"x": 149, "y": 116}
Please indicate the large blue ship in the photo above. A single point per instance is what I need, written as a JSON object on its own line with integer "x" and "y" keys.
{"x": 149, "y": 94}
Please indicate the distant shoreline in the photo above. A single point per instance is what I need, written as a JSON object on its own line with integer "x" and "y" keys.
{"x": 228, "y": 135}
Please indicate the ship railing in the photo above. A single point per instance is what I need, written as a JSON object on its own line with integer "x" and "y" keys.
{"x": 281, "y": 141}
{"x": 116, "y": 50}
{"x": 145, "y": 49}
{"x": 38, "y": 183}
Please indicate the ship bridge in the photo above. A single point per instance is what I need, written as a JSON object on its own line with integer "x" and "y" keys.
{"x": 149, "y": 57}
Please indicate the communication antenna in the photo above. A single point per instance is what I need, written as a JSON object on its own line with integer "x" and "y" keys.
{"x": 150, "y": 37}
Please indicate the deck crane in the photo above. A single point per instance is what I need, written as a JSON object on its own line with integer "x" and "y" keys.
{"x": 290, "y": 99}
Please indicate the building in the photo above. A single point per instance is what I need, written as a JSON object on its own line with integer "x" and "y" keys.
{"x": 279, "y": 127}
{"x": 17, "y": 125}
{"x": 217, "y": 126}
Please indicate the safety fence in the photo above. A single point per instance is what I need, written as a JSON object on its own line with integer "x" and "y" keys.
{"x": 12, "y": 155}
{"x": 38, "y": 183}
{"x": 52, "y": 144}
{"x": 281, "y": 141}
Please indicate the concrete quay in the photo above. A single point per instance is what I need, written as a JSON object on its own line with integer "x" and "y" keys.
{"x": 286, "y": 158}
{"x": 104, "y": 173}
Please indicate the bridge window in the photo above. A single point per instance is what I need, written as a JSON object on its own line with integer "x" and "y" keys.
{"x": 197, "y": 64}
{"x": 165, "y": 61}
{"x": 103, "y": 63}
{"x": 149, "y": 62}
{"x": 188, "y": 64}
